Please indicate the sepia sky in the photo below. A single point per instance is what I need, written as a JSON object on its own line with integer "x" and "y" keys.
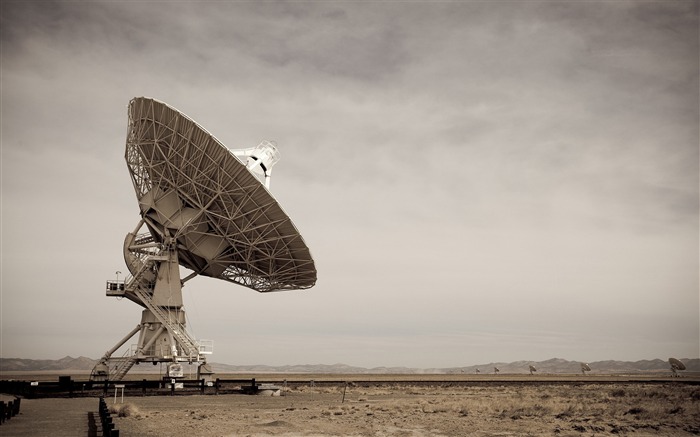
{"x": 477, "y": 181}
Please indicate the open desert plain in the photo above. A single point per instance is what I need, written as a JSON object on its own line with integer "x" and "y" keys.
{"x": 390, "y": 405}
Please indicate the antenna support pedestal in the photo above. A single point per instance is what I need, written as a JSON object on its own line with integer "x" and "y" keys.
{"x": 163, "y": 335}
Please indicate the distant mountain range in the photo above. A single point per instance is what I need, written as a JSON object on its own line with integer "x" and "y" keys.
{"x": 65, "y": 363}
{"x": 554, "y": 365}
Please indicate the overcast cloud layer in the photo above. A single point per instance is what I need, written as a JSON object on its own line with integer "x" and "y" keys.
{"x": 477, "y": 181}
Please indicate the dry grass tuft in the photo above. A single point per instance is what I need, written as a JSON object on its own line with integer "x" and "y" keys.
{"x": 636, "y": 410}
{"x": 124, "y": 410}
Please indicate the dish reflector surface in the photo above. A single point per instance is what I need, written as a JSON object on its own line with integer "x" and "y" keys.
{"x": 194, "y": 193}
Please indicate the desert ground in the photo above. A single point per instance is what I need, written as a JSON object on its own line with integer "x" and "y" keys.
{"x": 406, "y": 407}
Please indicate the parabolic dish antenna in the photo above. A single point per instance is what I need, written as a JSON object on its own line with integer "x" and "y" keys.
{"x": 676, "y": 365}
{"x": 585, "y": 368}
{"x": 205, "y": 209}
{"x": 532, "y": 369}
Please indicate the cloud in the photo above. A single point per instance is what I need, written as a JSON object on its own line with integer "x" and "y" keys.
{"x": 462, "y": 172}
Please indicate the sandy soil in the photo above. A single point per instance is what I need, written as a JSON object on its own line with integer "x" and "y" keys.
{"x": 402, "y": 410}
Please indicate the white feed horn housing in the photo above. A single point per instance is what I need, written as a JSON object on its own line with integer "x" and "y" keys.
{"x": 261, "y": 158}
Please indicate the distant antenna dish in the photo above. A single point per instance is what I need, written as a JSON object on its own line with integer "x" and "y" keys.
{"x": 532, "y": 369}
{"x": 478, "y": 371}
{"x": 205, "y": 210}
{"x": 585, "y": 368}
{"x": 676, "y": 365}
{"x": 495, "y": 370}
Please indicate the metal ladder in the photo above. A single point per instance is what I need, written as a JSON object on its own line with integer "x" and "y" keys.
{"x": 176, "y": 329}
{"x": 125, "y": 364}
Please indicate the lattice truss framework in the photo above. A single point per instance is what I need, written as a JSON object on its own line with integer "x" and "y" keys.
{"x": 193, "y": 189}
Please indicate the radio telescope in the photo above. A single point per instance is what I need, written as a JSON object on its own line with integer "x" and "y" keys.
{"x": 532, "y": 369}
{"x": 676, "y": 365}
{"x": 202, "y": 209}
{"x": 585, "y": 368}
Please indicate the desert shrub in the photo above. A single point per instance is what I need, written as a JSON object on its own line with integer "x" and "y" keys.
{"x": 426, "y": 408}
{"x": 516, "y": 414}
{"x": 522, "y": 409}
{"x": 569, "y": 411}
{"x": 539, "y": 410}
{"x": 617, "y": 393}
{"x": 198, "y": 416}
{"x": 612, "y": 410}
{"x": 124, "y": 410}
{"x": 656, "y": 394}
{"x": 675, "y": 410}
{"x": 504, "y": 412}
{"x": 616, "y": 428}
{"x": 434, "y": 409}
{"x": 636, "y": 411}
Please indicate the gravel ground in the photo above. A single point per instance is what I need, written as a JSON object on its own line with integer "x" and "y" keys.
{"x": 378, "y": 410}
{"x": 639, "y": 410}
